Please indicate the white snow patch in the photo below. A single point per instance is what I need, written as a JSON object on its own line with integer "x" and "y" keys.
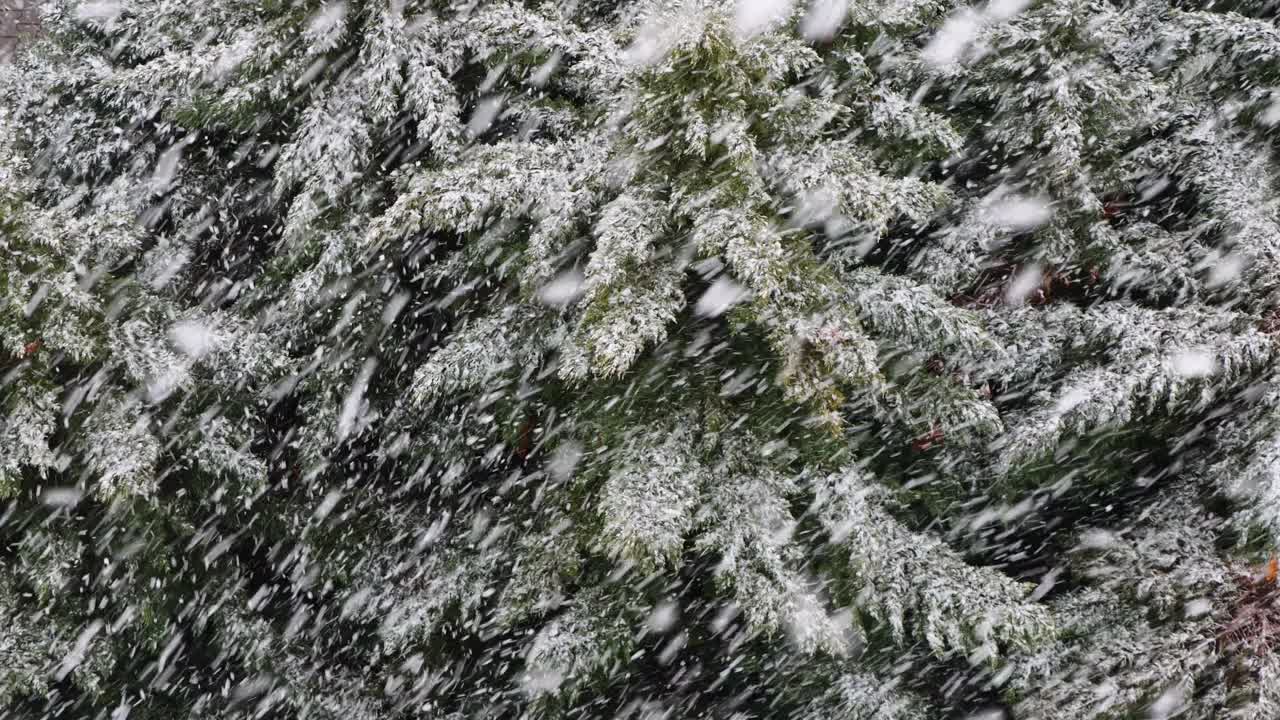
{"x": 165, "y": 267}
{"x": 61, "y": 496}
{"x": 726, "y": 615}
{"x": 752, "y": 17}
{"x": 543, "y": 74}
{"x": 722, "y": 295}
{"x": 1024, "y": 283}
{"x": 842, "y": 531}
{"x": 953, "y": 38}
{"x": 807, "y": 622}
{"x": 162, "y": 385}
{"x": 1005, "y": 9}
{"x": 326, "y": 506}
{"x": 672, "y": 649}
{"x": 815, "y": 206}
{"x": 394, "y": 307}
{"x": 486, "y": 112}
{"x": 953, "y": 42}
{"x": 193, "y": 339}
{"x": 1047, "y": 581}
{"x": 1198, "y": 607}
{"x": 651, "y": 44}
{"x": 563, "y": 289}
{"x": 823, "y": 20}
{"x": 542, "y": 681}
{"x": 1020, "y": 213}
{"x": 37, "y": 297}
{"x": 1271, "y": 115}
{"x": 101, "y": 11}
{"x": 1170, "y": 703}
{"x": 328, "y": 19}
{"x": 1152, "y": 188}
{"x": 1194, "y": 363}
{"x": 167, "y": 167}
{"x": 356, "y": 602}
{"x": 565, "y": 460}
{"x": 353, "y": 406}
{"x": 1226, "y": 270}
{"x": 231, "y": 58}
{"x": 1097, "y": 539}
{"x": 79, "y": 652}
{"x": 1069, "y": 400}
{"x": 664, "y": 617}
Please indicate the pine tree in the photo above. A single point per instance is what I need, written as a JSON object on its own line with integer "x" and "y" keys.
{"x": 666, "y": 358}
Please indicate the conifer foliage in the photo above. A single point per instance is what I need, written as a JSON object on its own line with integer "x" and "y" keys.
{"x": 661, "y": 358}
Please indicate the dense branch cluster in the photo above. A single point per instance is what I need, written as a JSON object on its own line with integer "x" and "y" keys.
{"x": 663, "y": 358}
